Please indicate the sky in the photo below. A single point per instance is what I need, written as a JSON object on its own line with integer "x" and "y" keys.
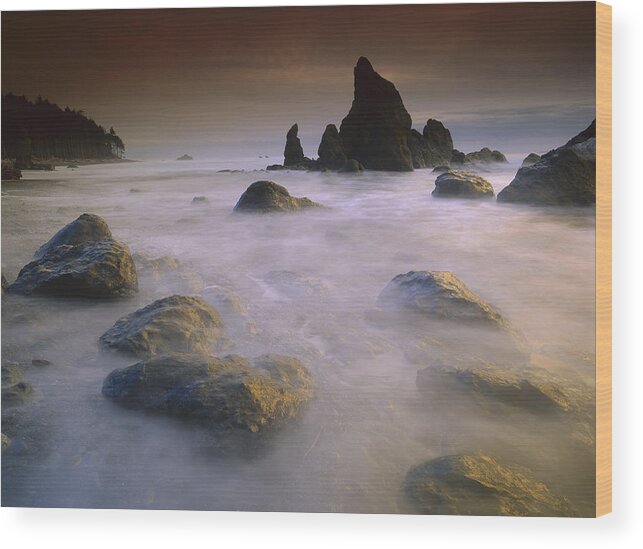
{"x": 228, "y": 82}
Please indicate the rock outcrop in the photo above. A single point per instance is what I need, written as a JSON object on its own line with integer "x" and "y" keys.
{"x": 331, "y": 152}
{"x": 530, "y": 160}
{"x": 375, "y": 132}
{"x": 439, "y": 295}
{"x": 462, "y": 185}
{"x": 172, "y": 324}
{"x": 267, "y": 196}
{"x": 565, "y": 176}
{"x": 351, "y": 166}
{"x": 230, "y": 392}
{"x": 476, "y": 484}
{"x": 419, "y": 148}
{"x": 293, "y": 153}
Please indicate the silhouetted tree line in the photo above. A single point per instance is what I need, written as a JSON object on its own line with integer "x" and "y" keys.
{"x": 43, "y": 130}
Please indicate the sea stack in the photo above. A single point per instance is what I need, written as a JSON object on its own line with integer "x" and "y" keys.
{"x": 293, "y": 153}
{"x": 331, "y": 152}
{"x": 375, "y": 132}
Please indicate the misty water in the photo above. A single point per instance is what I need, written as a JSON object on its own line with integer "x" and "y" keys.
{"x": 368, "y": 424}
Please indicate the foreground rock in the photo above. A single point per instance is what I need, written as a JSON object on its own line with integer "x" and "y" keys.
{"x": 462, "y": 185}
{"x": 172, "y": 324}
{"x": 267, "y": 196}
{"x": 101, "y": 270}
{"x": 375, "y": 131}
{"x": 563, "y": 177}
{"x": 439, "y": 295}
{"x": 230, "y": 392}
{"x": 331, "y": 152}
{"x": 87, "y": 229}
{"x": 475, "y": 484}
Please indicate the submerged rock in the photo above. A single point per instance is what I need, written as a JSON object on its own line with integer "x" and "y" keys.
{"x": 200, "y": 200}
{"x": 462, "y": 185}
{"x": 485, "y": 156}
{"x": 6, "y": 441}
{"x": 224, "y": 392}
{"x": 101, "y": 270}
{"x": 185, "y": 157}
{"x": 565, "y": 176}
{"x": 375, "y": 131}
{"x": 295, "y": 285}
{"x": 293, "y": 153}
{"x": 267, "y": 196}
{"x": 331, "y": 152}
{"x": 172, "y": 324}
{"x": 476, "y": 484}
{"x": 87, "y": 229}
{"x": 530, "y": 159}
{"x": 440, "y": 295}
{"x": 167, "y": 275}
{"x": 15, "y": 390}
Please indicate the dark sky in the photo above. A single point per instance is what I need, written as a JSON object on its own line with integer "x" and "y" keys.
{"x": 516, "y": 77}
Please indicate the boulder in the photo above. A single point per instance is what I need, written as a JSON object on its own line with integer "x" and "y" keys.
{"x": 477, "y": 484}
{"x": 439, "y": 142}
{"x": 276, "y": 167}
{"x": 15, "y": 390}
{"x": 351, "y": 166}
{"x": 441, "y": 169}
{"x": 87, "y": 229}
{"x": 293, "y": 153}
{"x": 331, "y": 153}
{"x": 530, "y": 160}
{"x": 6, "y": 442}
{"x": 172, "y": 324}
{"x": 565, "y": 176}
{"x": 485, "y": 156}
{"x": 457, "y": 158}
{"x": 101, "y": 270}
{"x": 185, "y": 157}
{"x": 230, "y": 392}
{"x": 267, "y": 196}
{"x": 439, "y": 295}
{"x": 462, "y": 185}
{"x": 375, "y": 132}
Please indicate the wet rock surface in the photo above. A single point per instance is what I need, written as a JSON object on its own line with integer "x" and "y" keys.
{"x": 230, "y": 392}
{"x": 267, "y": 196}
{"x": 87, "y": 229}
{"x": 477, "y": 484}
{"x": 172, "y": 324}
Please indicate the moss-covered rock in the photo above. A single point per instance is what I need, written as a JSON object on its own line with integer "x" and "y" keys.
{"x": 223, "y": 392}
{"x": 475, "y": 484}
{"x": 172, "y": 324}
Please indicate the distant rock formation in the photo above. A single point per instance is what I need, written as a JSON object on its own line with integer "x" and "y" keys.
{"x": 43, "y": 130}
{"x": 485, "y": 156}
{"x": 462, "y": 185}
{"x": 375, "y": 132}
{"x": 331, "y": 152}
{"x": 293, "y": 153}
{"x": 530, "y": 160}
{"x": 185, "y": 157}
{"x": 267, "y": 196}
{"x": 565, "y": 176}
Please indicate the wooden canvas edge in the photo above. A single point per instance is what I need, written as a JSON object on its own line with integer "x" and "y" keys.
{"x": 603, "y": 259}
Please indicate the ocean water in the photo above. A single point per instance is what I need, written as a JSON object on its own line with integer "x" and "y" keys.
{"x": 368, "y": 424}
